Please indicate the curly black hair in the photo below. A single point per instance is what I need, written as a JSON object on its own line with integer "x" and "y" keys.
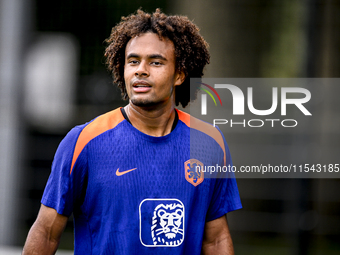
{"x": 191, "y": 50}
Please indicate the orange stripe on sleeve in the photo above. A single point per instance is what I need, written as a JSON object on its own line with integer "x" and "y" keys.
{"x": 204, "y": 127}
{"x": 98, "y": 126}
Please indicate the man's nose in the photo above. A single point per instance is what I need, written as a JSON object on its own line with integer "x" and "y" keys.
{"x": 142, "y": 69}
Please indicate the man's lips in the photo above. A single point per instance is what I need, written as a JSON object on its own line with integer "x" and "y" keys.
{"x": 141, "y": 86}
{"x": 140, "y": 83}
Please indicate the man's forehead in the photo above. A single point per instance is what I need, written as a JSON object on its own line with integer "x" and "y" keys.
{"x": 148, "y": 42}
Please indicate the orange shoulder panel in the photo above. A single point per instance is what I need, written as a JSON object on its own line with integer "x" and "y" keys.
{"x": 204, "y": 127}
{"x": 98, "y": 126}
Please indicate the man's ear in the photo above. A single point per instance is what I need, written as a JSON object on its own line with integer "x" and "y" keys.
{"x": 179, "y": 79}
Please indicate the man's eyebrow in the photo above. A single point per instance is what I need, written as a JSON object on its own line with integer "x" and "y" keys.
{"x": 132, "y": 55}
{"x": 159, "y": 56}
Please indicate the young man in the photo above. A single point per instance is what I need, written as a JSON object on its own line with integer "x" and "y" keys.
{"x": 129, "y": 176}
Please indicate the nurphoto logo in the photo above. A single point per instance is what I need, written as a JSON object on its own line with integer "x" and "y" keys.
{"x": 204, "y": 97}
{"x": 295, "y": 96}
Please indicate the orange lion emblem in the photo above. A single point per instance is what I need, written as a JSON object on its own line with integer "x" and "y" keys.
{"x": 193, "y": 171}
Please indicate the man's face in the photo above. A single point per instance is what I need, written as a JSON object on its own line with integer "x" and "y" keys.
{"x": 149, "y": 70}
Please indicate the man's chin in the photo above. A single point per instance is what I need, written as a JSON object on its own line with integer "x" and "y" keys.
{"x": 143, "y": 103}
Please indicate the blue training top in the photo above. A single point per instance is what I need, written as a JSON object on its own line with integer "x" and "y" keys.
{"x": 132, "y": 193}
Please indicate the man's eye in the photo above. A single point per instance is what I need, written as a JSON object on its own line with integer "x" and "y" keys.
{"x": 133, "y": 62}
{"x": 156, "y": 63}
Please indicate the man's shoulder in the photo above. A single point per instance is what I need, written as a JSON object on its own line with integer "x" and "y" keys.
{"x": 104, "y": 122}
{"x": 97, "y": 125}
{"x": 83, "y": 134}
{"x": 199, "y": 125}
{"x": 200, "y": 128}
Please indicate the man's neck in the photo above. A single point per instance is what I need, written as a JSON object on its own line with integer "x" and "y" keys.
{"x": 154, "y": 122}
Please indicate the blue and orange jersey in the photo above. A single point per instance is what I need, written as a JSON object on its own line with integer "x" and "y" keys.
{"x": 134, "y": 193}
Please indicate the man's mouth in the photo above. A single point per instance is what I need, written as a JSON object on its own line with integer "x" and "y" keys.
{"x": 138, "y": 84}
{"x": 141, "y": 86}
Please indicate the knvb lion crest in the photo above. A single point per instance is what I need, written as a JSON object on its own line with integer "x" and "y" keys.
{"x": 192, "y": 173}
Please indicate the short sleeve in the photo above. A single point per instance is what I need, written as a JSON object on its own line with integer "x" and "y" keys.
{"x": 64, "y": 187}
{"x": 225, "y": 197}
